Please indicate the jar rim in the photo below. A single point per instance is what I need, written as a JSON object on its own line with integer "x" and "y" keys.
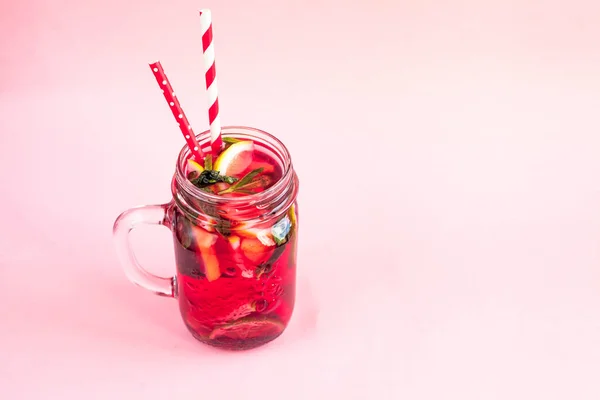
{"x": 236, "y": 130}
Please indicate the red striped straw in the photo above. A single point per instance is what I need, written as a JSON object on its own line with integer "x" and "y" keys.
{"x": 210, "y": 74}
{"x": 178, "y": 113}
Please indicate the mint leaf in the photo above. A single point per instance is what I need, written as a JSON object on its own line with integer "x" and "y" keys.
{"x": 230, "y": 140}
{"x": 246, "y": 179}
{"x": 258, "y": 182}
{"x": 228, "y": 179}
{"x": 244, "y": 191}
{"x": 210, "y": 177}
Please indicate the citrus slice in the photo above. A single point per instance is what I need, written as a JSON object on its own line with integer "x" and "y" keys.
{"x": 263, "y": 235}
{"x": 248, "y": 328}
{"x": 206, "y": 242}
{"x": 268, "y": 233}
{"x": 235, "y": 243}
{"x": 293, "y": 253}
{"x": 255, "y": 250}
{"x": 292, "y": 215}
{"x": 235, "y": 159}
{"x": 240, "y": 312}
{"x": 193, "y": 166}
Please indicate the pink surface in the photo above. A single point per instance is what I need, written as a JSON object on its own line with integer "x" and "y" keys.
{"x": 455, "y": 257}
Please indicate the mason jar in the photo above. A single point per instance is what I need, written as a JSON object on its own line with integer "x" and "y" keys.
{"x": 235, "y": 278}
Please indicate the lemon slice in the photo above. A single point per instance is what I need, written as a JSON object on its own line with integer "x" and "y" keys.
{"x": 206, "y": 242}
{"x": 193, "y": 166}
{"x": 263, "y": 235}
{"x": 255, "y": 250}
{"x": 249, "y": 328}
{"x": 235, "y": 159}
{"x": 292, "y": 215}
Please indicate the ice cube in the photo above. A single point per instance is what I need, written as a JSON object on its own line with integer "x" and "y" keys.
{"x": 281, "y": 229}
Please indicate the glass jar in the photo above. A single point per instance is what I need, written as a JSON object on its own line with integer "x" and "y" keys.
{"x": 235, "y": 256}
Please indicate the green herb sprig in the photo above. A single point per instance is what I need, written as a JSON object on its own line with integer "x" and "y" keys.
{"x": 210, "y": 177}
{"x": 230, "y": 140}
{"x": 244, "y": 184}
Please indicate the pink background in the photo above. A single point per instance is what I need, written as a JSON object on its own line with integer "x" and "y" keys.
{"x": 450, "y": 196}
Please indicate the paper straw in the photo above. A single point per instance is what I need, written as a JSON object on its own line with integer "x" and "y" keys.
{"x": 210, "y": 75}
{"x": 182, "y": 121}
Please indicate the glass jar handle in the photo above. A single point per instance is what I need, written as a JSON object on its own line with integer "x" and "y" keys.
{"x": 124, "y": 224}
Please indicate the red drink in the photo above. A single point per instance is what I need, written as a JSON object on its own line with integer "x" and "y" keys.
{"x": 235, "y": 232}
{"x": 236, "y": 279}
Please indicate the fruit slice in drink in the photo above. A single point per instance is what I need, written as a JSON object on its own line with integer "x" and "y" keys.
{"x": 206, "y": 242}
{"x": 194, "y": 167}
{"x": 246, "y": 268}
{"x": 235, "y": 159}
{"x": 255, "y": 250}
{"x": 248, "y": 328}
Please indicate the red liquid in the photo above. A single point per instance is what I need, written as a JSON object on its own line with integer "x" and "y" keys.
{"x": 236, "y": 287}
